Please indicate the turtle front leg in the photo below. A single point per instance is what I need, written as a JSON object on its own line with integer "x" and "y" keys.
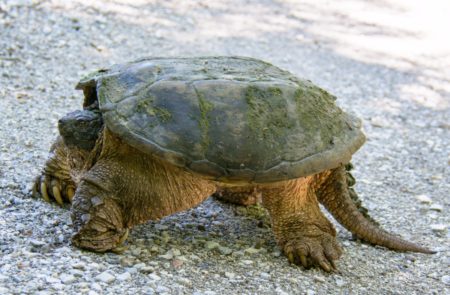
{"x": 126, "y": 187}
{"x": 97, "y": 214}
{"x": 55, "y": 182}
{"x": 304, "y": 234}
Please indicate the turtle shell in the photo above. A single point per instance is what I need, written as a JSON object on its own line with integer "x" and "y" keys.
{"x": 230, "y": 119}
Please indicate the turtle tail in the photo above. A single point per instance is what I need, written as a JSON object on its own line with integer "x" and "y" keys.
{"x": 340, "y": 199}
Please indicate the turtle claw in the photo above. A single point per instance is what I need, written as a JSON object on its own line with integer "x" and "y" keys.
{"x": 70, "y": 193}
{"x": 121, "y": 246}
{"x": 52, "y": 189}
{"x": 57, "y": 193}
{"x": 44, "y": 193}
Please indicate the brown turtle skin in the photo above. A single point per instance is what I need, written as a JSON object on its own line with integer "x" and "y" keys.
{"x": 158, "y": 136}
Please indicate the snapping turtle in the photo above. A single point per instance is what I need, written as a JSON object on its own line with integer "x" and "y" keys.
{"x": 160, "y": 135}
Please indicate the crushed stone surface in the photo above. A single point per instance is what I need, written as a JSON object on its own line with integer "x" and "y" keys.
{"x": 386, "y": 61}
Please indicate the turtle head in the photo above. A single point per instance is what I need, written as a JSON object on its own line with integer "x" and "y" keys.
{"x": 80, "y": 128}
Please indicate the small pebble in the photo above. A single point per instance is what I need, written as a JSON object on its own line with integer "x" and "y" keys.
{"x": 138, "y": 266}
{"x": 225, "y": 250}
{"x": 280, "y": 291}
{"x": 154, "y": 277}
{"x": 247, "y": 262}
{"x": 446, "y": 280}
{"x": 105, "y": 277}
{"x": 424, "y": 199}
{"x": 437, "y": 207}
{"x": 127, "y": 261}
{"x": 124, "y": 277}
{"x": 340, "y": 282}
{"x": 177, "y": 263}
{"x": 184, "y": 281}
{"x": 67, "y": 278}
{"x": 251, "y": 251}
{"x": 210, "y": 245}
{"x": 147, "y": 269}
{"x": 230, "y": 275}
{"x": 439, "y": 227}
{"x": 319, "y": 279}
{"x": 96, "y": 286}
{"x": 79, "y": 265}
{"x": 37, "y": 243}
{"x": 167, "y": 256}
{"x": 162, "y": 289}
{"x": 52, "y": 280}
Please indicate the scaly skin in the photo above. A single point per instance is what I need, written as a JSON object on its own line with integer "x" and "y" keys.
{"x": 118, "y": 187}
{"x": 239, "y": 195}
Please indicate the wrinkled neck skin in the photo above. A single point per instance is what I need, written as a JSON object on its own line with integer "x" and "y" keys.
{"x": 72, "y": 162}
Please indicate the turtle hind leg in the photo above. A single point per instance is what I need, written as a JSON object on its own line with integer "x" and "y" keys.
{"x": 302, "y": 231}
{"x": 239, "y": 195}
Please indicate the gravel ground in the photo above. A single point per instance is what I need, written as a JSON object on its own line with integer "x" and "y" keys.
{"x": 387, "y": 61}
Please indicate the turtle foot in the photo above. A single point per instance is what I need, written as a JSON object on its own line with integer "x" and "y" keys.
{"x": 100, "y": 224}
{"x": 313, "y": 247}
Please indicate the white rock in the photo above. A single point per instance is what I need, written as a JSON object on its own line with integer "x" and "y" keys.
{"x": 79, "y": 265}
{"x": 162, "y": 289}
{"x": 280, "y": 291}
{"x": 167, "y": 256}
{"x": 437, "y": 207}
{"x": 154, "y": 277}
{"x": 230, "y": 275}
{"x": 340, "y": 282}
{"x": 105, "y": 277}
{"x": 424, "y": 199}
{"x": 37, "y": 243}
{"x": 184, "y": 281}
{"x": 124, "y": 277}
{"x": 247, "y": 262}
{"x": 76, "y": 272}
{"x": 52, "y": 280}
{"x": 139, "y": 266}
{"x": 440, "y": 227}
{"x": 67, "y": 278}
{"x": 225, "y": 250}
{"x": 446, "y": 280}
{"x": 264, "y": 275}
{"x": 96, "y": 286}
{"x": 319, "y": 279}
